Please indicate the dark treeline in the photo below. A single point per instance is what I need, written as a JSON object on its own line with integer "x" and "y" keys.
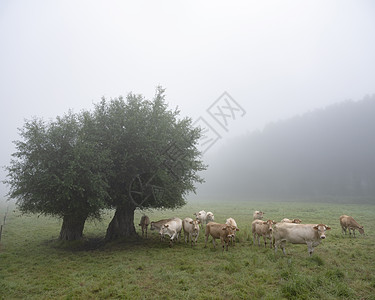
{"x": 327, "y": 153}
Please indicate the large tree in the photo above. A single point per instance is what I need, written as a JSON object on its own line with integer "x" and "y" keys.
{"x": 155, "y": 161}
{"x": 58, "y": 170}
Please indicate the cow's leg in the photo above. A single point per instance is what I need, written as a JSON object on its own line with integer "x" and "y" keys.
{"x": 258, "y": 238}
{"x": 343, "y": 230}
{"x": 265, "y": 241}
{"x": 213, "y": 241}
{"x": 282, "y": 245}
{"x": 205, "y": 245}
{"x": 310, "y": 248}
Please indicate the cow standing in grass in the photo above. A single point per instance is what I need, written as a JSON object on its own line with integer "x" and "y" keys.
{"x": 258, "y": 215}
{"x": 309, "y": 234}
{"x": 158, "y": 224}
{"x": 223, "y": 232}
{"x": 202, "y": 217}
{"x": 262, "y": 228}
{"x": 232, "y": 222}
{"x": 191, "y": 230}
{"x": 347, "y": 222}
{"x": 173, "y": 229}
{"x": 145, "y": 221}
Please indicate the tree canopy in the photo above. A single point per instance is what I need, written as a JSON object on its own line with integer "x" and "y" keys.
{"x": 125, "y": 154}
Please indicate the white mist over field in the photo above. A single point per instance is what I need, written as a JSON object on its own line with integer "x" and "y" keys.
{"x": 275, "y": 59}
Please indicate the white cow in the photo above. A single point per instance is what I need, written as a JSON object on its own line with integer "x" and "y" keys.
{"x": 172, "y": 228}
{"x": 210, "y": 217}
{"x": 201, "y": 216}
{"x": 232, "y": 222}
{"x": 258, "y": 215}
{"x": 309, "y": 234}
{"x": 191, "y": 230}
{"x": 158, "y": 224}
{"x": 286, "y": 220}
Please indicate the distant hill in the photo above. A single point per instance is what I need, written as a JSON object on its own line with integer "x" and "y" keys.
{"x": 328, "y": 153}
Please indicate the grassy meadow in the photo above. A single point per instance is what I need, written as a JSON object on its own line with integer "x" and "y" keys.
{"x": 34, "y": 265}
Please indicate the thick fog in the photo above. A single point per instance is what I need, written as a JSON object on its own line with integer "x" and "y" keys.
{"x": 275, "y": 60}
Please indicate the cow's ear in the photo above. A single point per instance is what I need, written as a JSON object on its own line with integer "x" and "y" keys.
{"x": 191, "y": 222}
{"x": 316, "y": 227}
{"x": 166, "y": 225}
{"x": 264, "y": 222}
{"x": 199, "y": 222}
{"x": 224, "y": 228}
{"x": 328, "y": 228}
{"x": 273, "y": 222}
{"x": 237, "y": 229}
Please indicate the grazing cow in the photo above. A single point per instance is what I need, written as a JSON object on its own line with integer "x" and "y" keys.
{"x": 309, "y": 234}
{"x": 232, "y": 222}
{"x": 145, "y": 221}
{"x": 261, "y": 228}
{"x": 191, "y": 230}
{"x": 286, "y": 220}
{"x": 209, "y": 217}
{"x": 347, "y": 222}
{"x": 172, "y": 228}
{"x": 258, "y": 215}
{"x": 158, "y": 224}
{"x": 201, "y": 216}
{"x": 220, "y": 231}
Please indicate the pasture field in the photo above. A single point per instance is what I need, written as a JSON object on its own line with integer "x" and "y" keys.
{"x": 34, "y": 265}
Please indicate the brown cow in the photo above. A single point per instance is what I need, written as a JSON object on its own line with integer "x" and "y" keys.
{"x": 223, "y": 232}
{"x": 145, "y": 221}
{"x": 347, "y": 222}
{"x": 262, "y": 228}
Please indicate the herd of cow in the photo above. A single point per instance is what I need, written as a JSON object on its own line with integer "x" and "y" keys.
{"x": 278, "y": 234}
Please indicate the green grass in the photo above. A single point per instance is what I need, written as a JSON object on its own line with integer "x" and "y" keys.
{"x": 34, "y": 265}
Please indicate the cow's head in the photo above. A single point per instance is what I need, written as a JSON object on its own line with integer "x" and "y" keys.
{"x": 195, "y": 224}
{"x": 164, "y": 228}
{"x": 321, "y": 229}
{"x": 152, "y": 227}
{"x": 297, "y": 221}
{"x": 230, "y": 230}
{"x": 269, "y": 223}
{"x": 361, "y": 230}
{"x": 210, "y": 216}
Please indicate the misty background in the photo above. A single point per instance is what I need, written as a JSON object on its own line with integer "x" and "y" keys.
{"x": 303, "y": 71}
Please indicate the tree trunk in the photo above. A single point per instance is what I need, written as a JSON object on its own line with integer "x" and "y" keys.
{"x": 72, "y": 228}
{"x": 122, "y": 224}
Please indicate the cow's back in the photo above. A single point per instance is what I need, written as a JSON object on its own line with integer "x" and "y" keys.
{"x": 213, "y": 229}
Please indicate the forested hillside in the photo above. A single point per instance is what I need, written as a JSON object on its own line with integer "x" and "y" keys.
{"x": 329, "y": 153}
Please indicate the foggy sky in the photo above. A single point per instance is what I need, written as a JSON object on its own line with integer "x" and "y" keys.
{"x": 275, "y": 58}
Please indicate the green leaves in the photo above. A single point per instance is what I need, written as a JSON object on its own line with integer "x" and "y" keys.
{"x": 81, "y": 163}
